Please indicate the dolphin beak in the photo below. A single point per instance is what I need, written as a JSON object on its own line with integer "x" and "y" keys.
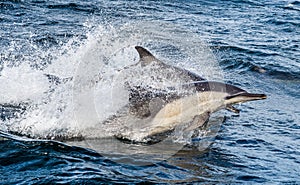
{"x": 243, "y": 97}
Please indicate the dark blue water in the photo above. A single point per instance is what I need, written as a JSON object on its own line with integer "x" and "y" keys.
{"x": 255, "y": 43}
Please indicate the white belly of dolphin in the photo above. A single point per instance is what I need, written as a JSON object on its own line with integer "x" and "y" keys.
{"x": 180, "y": 112}
{"x": 184, "y": 110}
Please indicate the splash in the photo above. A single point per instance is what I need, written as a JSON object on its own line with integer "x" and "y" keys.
{"x": 80, "y": 84}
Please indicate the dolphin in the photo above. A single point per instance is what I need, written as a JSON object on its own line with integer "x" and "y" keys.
{"x": 154, "y": 112}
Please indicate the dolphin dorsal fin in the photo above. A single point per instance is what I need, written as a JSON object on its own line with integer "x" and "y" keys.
{"x": 145, "y": 56}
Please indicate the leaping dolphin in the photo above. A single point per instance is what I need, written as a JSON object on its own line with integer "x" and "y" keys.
{"x": 153, "y": 112}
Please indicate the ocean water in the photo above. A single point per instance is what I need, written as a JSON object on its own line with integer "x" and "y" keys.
{"x": 251, "y": 44}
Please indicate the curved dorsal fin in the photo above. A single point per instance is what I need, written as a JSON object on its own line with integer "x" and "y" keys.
{"x": 145, "y": 56}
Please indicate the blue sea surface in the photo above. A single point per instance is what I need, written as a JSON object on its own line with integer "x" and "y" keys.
{"x": 256, "y": 45}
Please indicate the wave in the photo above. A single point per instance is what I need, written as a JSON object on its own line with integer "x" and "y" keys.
{"x": 229, "y": 60}
{"x": 245, "y": 59}
{"x": 291, "y": 24}
{"x": 82, "y": 7}
{"x": 33, "y": 160}
{"x": 284, "y": 74}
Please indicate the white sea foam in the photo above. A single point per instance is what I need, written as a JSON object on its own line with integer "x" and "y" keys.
{"x": 21, "y": 84}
